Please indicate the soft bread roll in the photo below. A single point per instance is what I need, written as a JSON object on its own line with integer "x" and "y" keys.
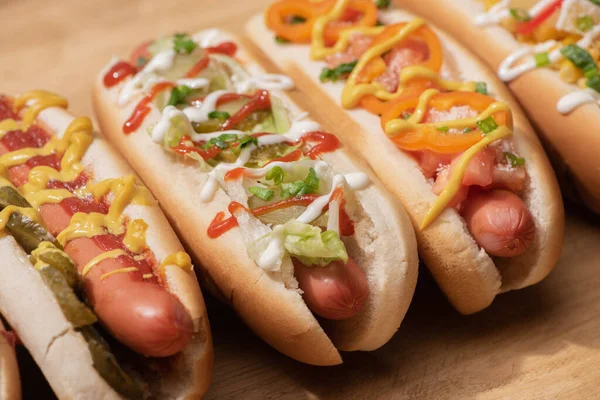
{"x": 570, "y": 139}
{"x": 383, "y": 246}
{"x": 10, "y": 386}
{"x": 61, "y": 351}
{"x": 468, "y": 276}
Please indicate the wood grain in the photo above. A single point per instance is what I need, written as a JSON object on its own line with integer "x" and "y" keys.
{"x": 538, "y": 343}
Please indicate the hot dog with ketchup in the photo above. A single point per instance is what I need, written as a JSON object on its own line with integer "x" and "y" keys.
{"x": 100, "y": 264}
{"x": 439, "y": 130}
{"x": 308, "y": 250}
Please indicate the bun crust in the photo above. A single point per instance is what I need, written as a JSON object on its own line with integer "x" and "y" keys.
{"x": 468, "y": 276}
{"x": 385, "y": 247}
{"x": 10, "y": 385}
{"x": 570, "y": 140}
{"x": 61, "y": 351}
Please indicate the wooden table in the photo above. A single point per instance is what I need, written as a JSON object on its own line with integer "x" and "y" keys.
{"x": 542, "y": 342}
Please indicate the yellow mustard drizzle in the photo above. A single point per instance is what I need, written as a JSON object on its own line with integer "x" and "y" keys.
{"x": 9, "y": 125}
{"x": 353, "y": 91}
{"x": 398, "y": 126}
{"x": 73, "y": 146}
{"x": 147, "y": 276}
{"x": 180, "y": 259}
{"x": 101, "y": 257}
{"x": 317, "y": 45}
{"x": 118, "y": 271}
{"x": 458, "y": 174}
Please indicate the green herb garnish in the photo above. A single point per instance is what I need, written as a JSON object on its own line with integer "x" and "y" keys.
{"x": 328, "y": 74}
{"x": 514, "y": 160}
{"x": 280, "y": 40}
{"x": 584, "y": 23}
{"x": 487, "y": 125}
{"x": 183, "y": 44}
{"x": 481, "y": 87}
{"x": 520, "y": 14}
{"x": 407, "y": 116}
{"x": 299, "y": 188}
{"x": 261, "y": 192}
{"x": 382, "y": 4}
{"x": 276, "y": 175}
{"x": 542, "y": 59}
{"x": 220, "y": 115}
{"x": 141, "y": 61}
{"x": 467, "y": 130}
{"x": 443, "y": 128}
{"x": 296, "y": 19}
{"x": 178, "y": 95}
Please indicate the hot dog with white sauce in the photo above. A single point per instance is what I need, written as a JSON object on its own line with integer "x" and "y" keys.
{"x": 438, "y": 129}
{"x": 309, "y": 251}
{"x": 548, "y": 53}
{"x": 88, "y": 244}
{"x": 10, "y": 385}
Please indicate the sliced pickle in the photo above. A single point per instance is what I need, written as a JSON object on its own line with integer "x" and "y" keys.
{"x": 76, "y": 312}
{"x": 108, "y": 367}
{"x": 264, "y": 154}
{"x": 210, "y": 126}
{"x": 29, "y": 234}
{"x": 62, "y": 262}
{"x": 248, "y": 123}
{"x": 9, "y": 196}
{"x": 232, "y": 107}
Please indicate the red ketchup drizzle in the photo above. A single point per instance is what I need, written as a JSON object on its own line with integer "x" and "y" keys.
{"x": 293, "y": 156}
{"x": 183, "y": 148}
{"x": 51, "y": 160}
{"x": 259, "y": 101}
{"x": 326, "y": 142}
{"x": 142, "y": 109}
{"x": 220, "y": 225}
{"x": 226, "y": 48}
{"x": 234, "y": 174}
{"x": 34, "y": 137}
{"x": 118, "y": 72}
{"x": 110, "y": 242}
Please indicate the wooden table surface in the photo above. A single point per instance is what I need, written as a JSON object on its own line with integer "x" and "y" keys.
{"x": 542, "y": 342}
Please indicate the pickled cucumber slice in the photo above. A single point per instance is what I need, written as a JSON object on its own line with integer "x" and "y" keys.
{"x": 76, "y": 312}
{"x": 29, "y": 234}
{"x": 9, "y": 196}
{"x": 59, "y": 260}
{"x": 108, "y": 367}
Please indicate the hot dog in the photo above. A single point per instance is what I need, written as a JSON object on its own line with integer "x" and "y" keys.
{"x": 10, "y": 386}
{"x": 289, "y": 228}
{"x": 547, "y": 51}
{"x": 439, "y": 130}
{"x": 88, "y": 243}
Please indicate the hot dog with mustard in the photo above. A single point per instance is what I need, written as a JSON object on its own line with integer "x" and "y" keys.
{"x": 439, "y": 130}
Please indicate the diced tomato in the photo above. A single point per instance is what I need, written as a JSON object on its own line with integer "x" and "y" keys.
{"x": 351, "y": 15}
{"x": 409, "y": 52}
{"x": 479, "y": 171}
{"x": 34, "y": 137}
{"x": 431, "y": 162}
{"x": 226, "y": 48}
{"x": 508, "y": 178}
{"x": 357, "y": 46}
{"x": 79, "y": 182}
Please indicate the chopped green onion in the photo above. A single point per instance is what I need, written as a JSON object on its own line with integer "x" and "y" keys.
{"x": 487, "y": 125}
{"x": 584, "y": 23}
{"x": 443, "y": 128}
{"x": 183, "y": 44}
{"x": 382, "y": 4}
{"x": 178, "y": 95}
{"x": 596, "y": 2}
{"x": 221, "y": 115}
{"x": 582, "y": 59}
{"x": 296, "y": 19}
{"x": 407, "y": 116}
{"x": 467, "y": 130}
{"x": 542, "y": 59}
{"x": 280, "y": 40}
{"x": 299, "y": 188}
{"x": 520, "y": 14}
{"x": 338, "y": 72}
{"x": 379, "y": 23}
{"x": 247, "y": 140}
{"x": 261, "y": 192}
{"x": 222, "y": 141}
{"x": 481, "y": 87}
{"x": 514, "y": 160}
{"x": 276, "y": 175}
{"x": 141, "y": 61}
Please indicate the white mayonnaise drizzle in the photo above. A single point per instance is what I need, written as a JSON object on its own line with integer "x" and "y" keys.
{"x": 208, "y": 38}
{"x": 193, "y": 83}
{"x": 265, "y": 82}
{"x": 577, "y": 98}
{"x": 200, "y": 114}
{"x": 143, "y": 81}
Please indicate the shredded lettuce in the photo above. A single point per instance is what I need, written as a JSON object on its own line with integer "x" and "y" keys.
{"x": 179, "y": 127}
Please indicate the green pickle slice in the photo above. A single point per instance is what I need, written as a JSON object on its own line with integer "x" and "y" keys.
{"x": 108, "y": 367}
{"x": 29, "y": 234}
{"x": 9, "y": 196}
{"x": 62, "y": 262}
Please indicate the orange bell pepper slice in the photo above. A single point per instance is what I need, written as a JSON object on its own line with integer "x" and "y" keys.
{"x": 427, "y": 137}
{"x": 277, "y": 15}
{"x": 434, "y": 62}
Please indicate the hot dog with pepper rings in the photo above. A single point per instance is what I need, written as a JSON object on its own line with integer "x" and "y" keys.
{"x": 444, "y": 137}
{"x": 10, "y": 385}
{"x": 548, "y": 53}
{"x": 100, "y": 264}
{"x": 308, "y": 250}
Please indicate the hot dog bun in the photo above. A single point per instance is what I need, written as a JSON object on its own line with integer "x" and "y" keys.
{"x": 469, "y": 277}
{"x": 569, "y": 138}
{"x": 384, "y": 247}
{"x": 10, "y": 385}
{"x": 59, "y": 349}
